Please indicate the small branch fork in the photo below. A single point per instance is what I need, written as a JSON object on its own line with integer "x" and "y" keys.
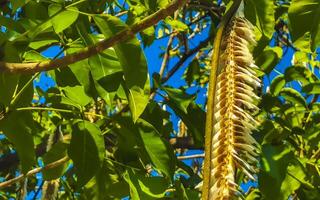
{"x": 128, "y": 33}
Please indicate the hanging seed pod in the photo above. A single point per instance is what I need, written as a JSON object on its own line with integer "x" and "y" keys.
{"x": 235, "y": 100}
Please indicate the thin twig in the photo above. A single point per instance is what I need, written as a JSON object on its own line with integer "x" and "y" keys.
{"x": 38, "y": 191}
{"x": 191, "y": 156}
{"x": 166, "y": 56}
{"x": 34, "y": 171}
{"x": 188, "y": 54}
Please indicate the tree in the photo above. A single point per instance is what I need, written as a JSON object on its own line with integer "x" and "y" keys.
{"x": 108, "y": 130}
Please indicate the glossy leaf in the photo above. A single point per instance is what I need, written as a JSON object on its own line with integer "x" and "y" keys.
{"x": 293, "y": 96}
{"x": 268, "y": 59}
{"x": 275, "y": 160}
{"x": 86, "y": 150}
{"x": 261, "y": 14}
{"x": 161, "y": 154}
{"x": 299, "y": 73}
{"x": 142, "y": 187}
{"x": 61, "y": 18}
{"x": 190, "y": 113}
{"x": 312, "y": 88}
{"x": 304, "y": 18}
{"x": 133, "y": 64}
{"x": 277, "y": 84}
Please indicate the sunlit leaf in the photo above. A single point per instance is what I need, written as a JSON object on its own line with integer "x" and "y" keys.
{"x": 268, "y": 59}
{"x": 133, "y": 64}
{"x": 161, "y": 154}
{"x": 293, "y": 96}
{"x": 277, "y": 84}
{"x": 304, "y": 17}
{"x": 299, "y": 73}
{"x": 274, "y": 163}
{"x": 190, "y": 113}
{"x": 142, "y": 187}
{"x": 312, "y": 88}
{"x": 61, "y": 18}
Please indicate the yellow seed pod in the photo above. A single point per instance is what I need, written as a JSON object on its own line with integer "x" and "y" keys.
{"x": 232, "y": 145}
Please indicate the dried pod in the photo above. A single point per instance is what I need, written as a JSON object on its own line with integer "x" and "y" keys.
{"x": 50, "y": 190}
{"x": 235, "y": 100}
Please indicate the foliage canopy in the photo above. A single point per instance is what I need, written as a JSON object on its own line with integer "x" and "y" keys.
{"x": 108, "y": 130}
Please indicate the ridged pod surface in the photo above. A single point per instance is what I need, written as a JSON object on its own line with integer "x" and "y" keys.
{"x": 235, "y": 100}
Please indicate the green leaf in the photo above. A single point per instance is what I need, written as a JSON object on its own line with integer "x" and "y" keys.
{"x": 8, "y": 84}
{"x": 268, "y": 59}
{"x": 183, "y": 193}
{"x": 293, "y": 96}
{"x": 18, "y": 3}
{"x": 19, "y": 128}
{"x": 77, "y": 95}
{"x": 312, "y": 88}
{"x": 158, "y": 118}
{"x": 133, "y": 63}
{"x": 304, "y": 17}
{"x": 193, "y": 72}
{"x": 295, "y": 175}
{"x": 159, "y": 150}
{"x": 58, "y": 151}
{"x": 179, "y": 98}
{"x": 33, "y": 56}
{"x": 277, "y": 84}
{"x": 148, "y": 36}
{"x": 107, "y": 184}
{"x": 42, "y": 43}
{"x": 180, "y": 191}
{"x": 261, "y": 14}
{"x": 147, "y": 188}
{"x": 36, "y": 10}
{"x": 274, "y": 162}
{"x": 190, "y": 113}
{"x": 254, "y": 195}
{"x": 86, "y": 150}
{"x": 138, "y": 101}
{"x": 70, "y": 86}
{"x": 299, "y": 73}
{"x": 62, "y": 19}
{"x": 177, "y": 25}
{"x": 128, "y": 138}
{"x": 161, "y": 3}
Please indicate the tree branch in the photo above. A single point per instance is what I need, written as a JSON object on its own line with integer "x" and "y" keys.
{"x": 128, "y": 33}
{"x": 34, "y": 171}
{"x": 10, "y": 160}
{"x": 191, "y": 156}
{"x": 177, "y": 66}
